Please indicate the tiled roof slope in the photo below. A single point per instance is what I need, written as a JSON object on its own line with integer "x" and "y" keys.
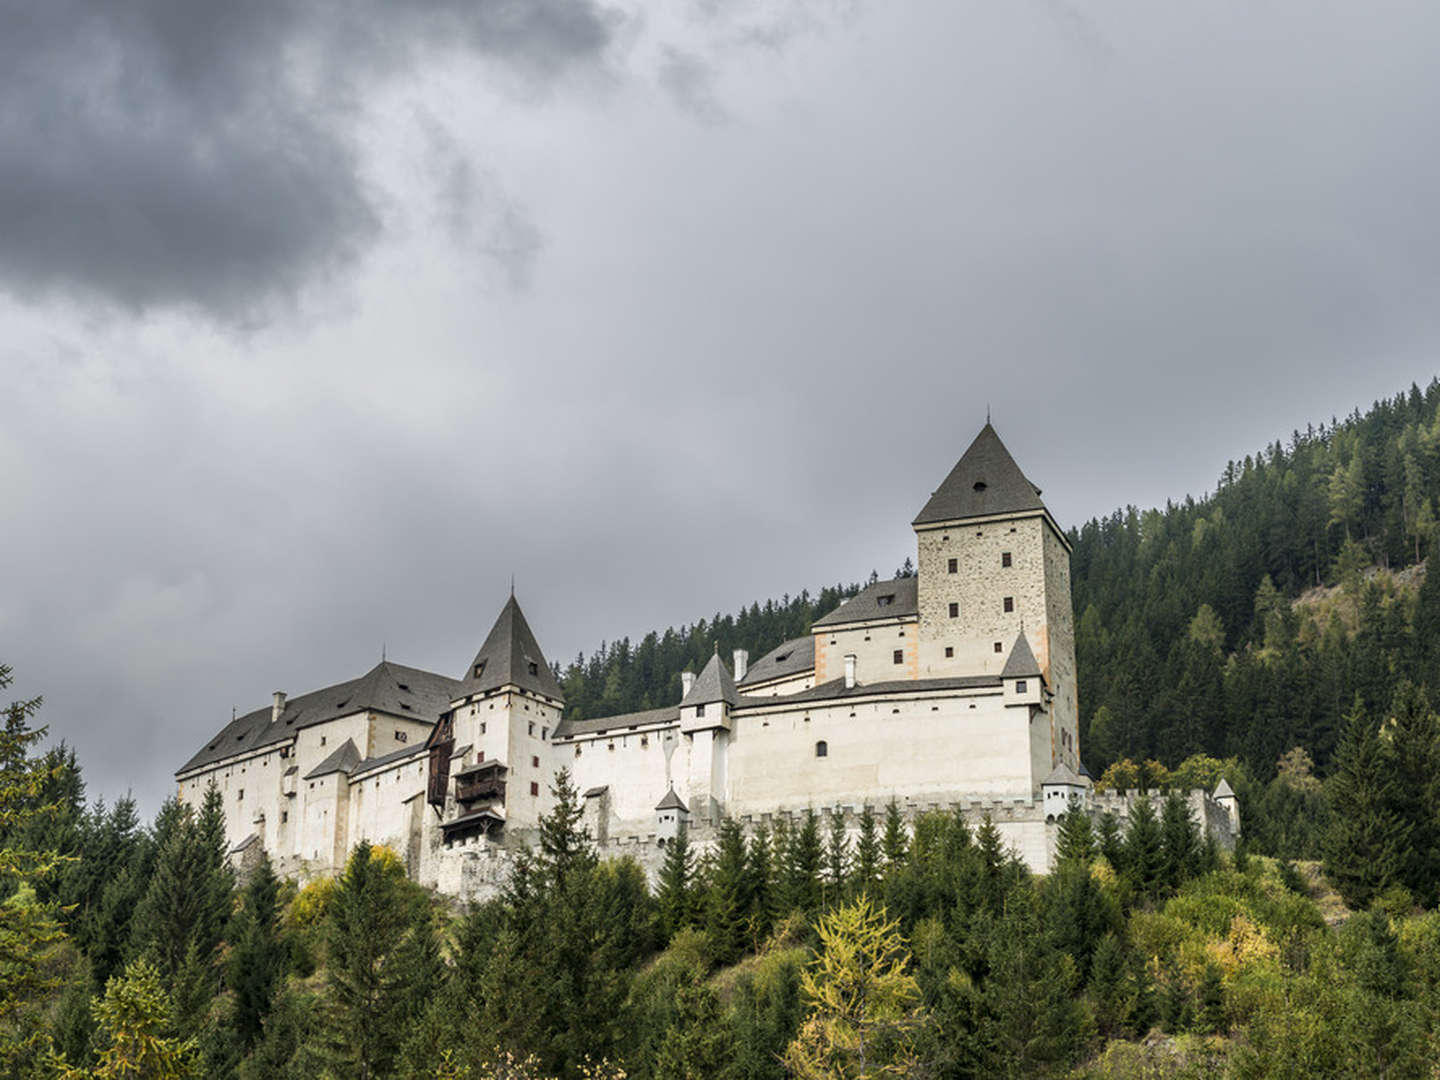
{"x": 1021, "y": 663}
{"x": 387, "y": 688}
{"x": 836, "y": 688}
{"x": 985, "y": 481}
{"x": 506, "y": 658}
{"x": 792, "y": 658}
{"x": 666, "y": 715}
{"x": 342, "y": 759}
{"x": 871, "y": 603}
{"x": 714, "y": 684}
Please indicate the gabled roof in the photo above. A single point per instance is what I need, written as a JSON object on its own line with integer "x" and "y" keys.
{"x": 882, "y": 600}
{"x": 619, "y": 725}
{"x": 1223, "y": 790}
{"x": 1063, "y": 774}
{"x": 387, "y": 688}
{"x": 1021, "y": 664}
{"x": 714, "y": 684}
{"x": 671, "y": 801}
{"x": 343, "y": 759}
{"x": 985, "y": 481}
{"x": 792, "y": 658}
{"x": 510, "y": 656}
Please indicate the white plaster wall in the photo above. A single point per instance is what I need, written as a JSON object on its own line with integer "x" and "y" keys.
{"x": 918, "y": 748}
{"x": 794, "y": 685}
{"x": 248, "y": 786}
{"x": 379, "y": 811}
{"x": 873, "y": 647}
{"x": 637, "y": 766}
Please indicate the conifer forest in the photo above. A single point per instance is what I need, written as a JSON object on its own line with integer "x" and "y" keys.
{"x": 1280, "y": 632}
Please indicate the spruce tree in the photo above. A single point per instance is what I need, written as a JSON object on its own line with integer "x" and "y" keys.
{"x": 803, "y": 866}
{"x": 1111, "y": 841}
{"x": 257, "y": 962}
{"x": 1212, "y": 1002}
{"x": 1413, "y": 730}
{"x": 761, "y": 872}
{"x": 1179, "y": 842}
{"x": 837, "y": 858}
{"x": 867, "y": 853}
{"x": 1365, "y": 845}
{"x": 1075, "y": 842}
{"x": 1144, "y": 851}
{"x": 727, "y": 895}
{"x": 895, "y": 842}
{"x": 676, "y": 893}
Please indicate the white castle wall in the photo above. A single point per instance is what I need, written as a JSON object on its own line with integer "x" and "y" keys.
{"x": 874, "y": 646}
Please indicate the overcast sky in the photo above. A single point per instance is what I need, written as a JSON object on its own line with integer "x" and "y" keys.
{"x": 319, "y": 320}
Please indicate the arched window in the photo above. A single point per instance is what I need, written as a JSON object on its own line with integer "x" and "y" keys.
{"x": 822, "y": 749}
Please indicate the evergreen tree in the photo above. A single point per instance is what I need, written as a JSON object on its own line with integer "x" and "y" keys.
{"x": 258, "y": 960}
{"x": 1144, "y": 849}
{"x": 867, "y": 853}
{"x": 1179, "y": 842}
{"x": 761, "y": 873}
{"x": 1075, "y": 839}
{"x": 677, "y": 893}
{"x": 895, "y": 842}
{"x": 1365, "y": 844}
{"x": 727, "y": 895}
{"x": 837, "y": 858}
{"x": 802, "y": 866}
{"x": 1413, "y": 729}
{"x": 1212, "y": 1002}
{"x": 133, "y": 1017}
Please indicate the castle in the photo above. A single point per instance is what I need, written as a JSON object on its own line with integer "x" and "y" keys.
{"x": 954, "y": 688}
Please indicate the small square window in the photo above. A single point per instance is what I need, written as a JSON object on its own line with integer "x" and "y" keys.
{"x": 534, "y": 788}
{"x": 534, "y": 762}
{"x": 481, "y": 757}
{"x": 999, "y": 647}
{"x": 544, "y": 733}
{"x": 1019, "y": 686}
{"x": 482, "y": 727}
{"x": 899, "y": 656}
{"x": 954, "y": 611}
{"x": 322, "y": 740}
{"x": 1005, "y": 558}
{"x": 953, "y": 566}
{"x": 240, "y": 795}
{"x": 949, "y": 652}
{"x": 534, "y": 668}
{"x": 284, "y": 816}
{"x": 532, "y": 728}
{"x": 1009, "y": 603}
{"x": 699, "y": 710}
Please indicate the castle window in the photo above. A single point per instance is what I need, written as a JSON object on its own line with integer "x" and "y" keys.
{"x": 577, "y": 751}
{"x": 240, "y": 795}
{"x": 822, "y": 749}
{"x": 899, "y": 656}
{"x": 534, "y": 668}
{"x": 532, "y": 728}
{"x": 885, "y": 601}
{"x": 979, "y": 485}
{"x": 699, "y": 710}
{"x": 534, "y": 788}
{"x": 400, "y": 736}
{"x": 1005, "y": 558}
{"x": 1019, "y": 686}
{"x": 322, "y": 740}
{"x": 482, "y": 727}
{"x": 284, "y": 816}
{"x": 949, "y": 652}
{"x": 480, "y": 669}
{"x": 544, "y": 733}
{"x": 999, "y": 647}
{"x": 1009, "y": 603}
{"x": 481, "y": 757}
{"x": 534, "y": 762}
{"x": 954, "y": 611}
{"x": 953, "y": 567}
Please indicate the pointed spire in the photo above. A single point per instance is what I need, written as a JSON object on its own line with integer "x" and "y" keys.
{"x": 1021, "y": 664}
{"x": 985, "y": 481}
{"x": 510, "y": 656}
{"x": 713, "y": 684}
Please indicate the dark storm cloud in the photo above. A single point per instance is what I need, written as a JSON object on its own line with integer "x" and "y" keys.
{"x": 202, "y": 154}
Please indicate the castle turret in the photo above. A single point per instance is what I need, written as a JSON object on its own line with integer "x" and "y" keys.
{"x": 994, "y": 567}
{"x": 1226, "y": 797}
{"x": 705, "y": 724}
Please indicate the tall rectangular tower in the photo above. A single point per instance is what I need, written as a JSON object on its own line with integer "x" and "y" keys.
{"x": 993, "y": 563}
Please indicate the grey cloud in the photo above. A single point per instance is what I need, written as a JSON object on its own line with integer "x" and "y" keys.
{"x": 690, "y": 82}
{"x": 203, "y": 154}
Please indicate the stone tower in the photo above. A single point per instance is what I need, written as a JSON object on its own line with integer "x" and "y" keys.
{"x": 489, "y": 768}
{"x": 993, "y": 564}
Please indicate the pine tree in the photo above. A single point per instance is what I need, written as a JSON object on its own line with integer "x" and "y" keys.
{"x": 676, "y": 894}
{"x": 1413, "y": 730}
{"x": 1212, "y": 1002}
{"x": 1144, "y": 851}
{"x": 867, "y": 853}
{"x": 258, "y": 960}
{"x": 1179, "y": 842}
{"x": 565, "y": 844}
{"x": 761, "y": 872}
{"x": 1075, "y": 842}
{"x": 895, "y": 843}
{"x": 727, "y": 895}
{"x": 803, "y": 865}
{"x": 1111, "y": 841}
{"x": 837, "y": 858}
{"x": 1365, "y": 844}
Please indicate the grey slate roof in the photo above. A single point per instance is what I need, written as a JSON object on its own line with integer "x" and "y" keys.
{"x": 792, "y": 658}
{"x": 671, "y": 801}
{"x": 1021, "y": 663}
{"x": 713, "y": 684}
{"x": 836, "y": 688}
{"x": 985, "y": 481}
{"x": 389, "y": 759}
{"x": 387, "y": 687}
{"x": 1224, "y": 790}
{"x": 871, "y": 603}
{"x": 508, "y": 656}
{"x": 1063, "y": 774}
{"x": 343, "y": 759}
{"x": 670, "y": 714}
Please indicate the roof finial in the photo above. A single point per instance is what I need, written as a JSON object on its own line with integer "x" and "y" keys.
{"x": 382, "y": 652}
{"x": 987, "y": 412}
{"x": 512, "y": 586}
{"x": 232, "y": 713}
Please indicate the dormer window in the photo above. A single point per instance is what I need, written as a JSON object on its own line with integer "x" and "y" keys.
{"x": 534, "y": 668}
{"x": 480, "y": 669}
{"x": 885, "y": 601}
{"x": 980, "y": 485}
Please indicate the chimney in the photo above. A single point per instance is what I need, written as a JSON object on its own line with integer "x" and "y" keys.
{"x": 850, "y": 672}
{"x": 687, "y": 680}
{"x": 278, "y": 707}
{"x": 742, "y": 664}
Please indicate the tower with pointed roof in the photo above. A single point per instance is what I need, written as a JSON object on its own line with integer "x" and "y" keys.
{"x": 994, "y": 587}
{"x": 489, "y": 754}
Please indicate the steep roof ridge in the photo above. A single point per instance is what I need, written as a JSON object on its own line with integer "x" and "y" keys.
{"x": 715, "y": 683}
{"x": 506, "y": 655}
{"x": 343, "y": 759}
{"x": 986, "y": 480}
{"x": 1021, "y": 663}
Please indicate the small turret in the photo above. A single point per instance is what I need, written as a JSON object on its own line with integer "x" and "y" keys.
{"x": 1226, "y": 797}
{"x": 1024, "y": 682}
{"x": 671, "y": 815}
